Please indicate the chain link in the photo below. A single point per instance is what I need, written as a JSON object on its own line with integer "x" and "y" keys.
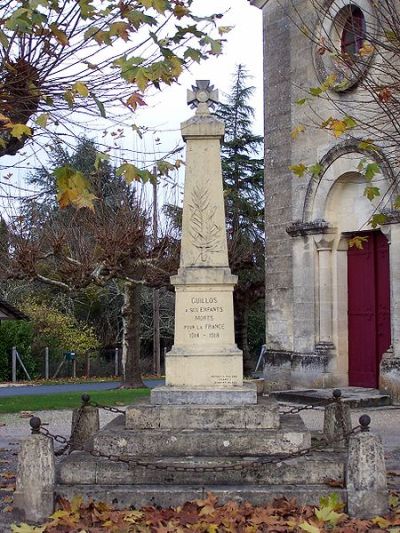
{"x": 106, "y": 408}
{"x": 295, "y": 410}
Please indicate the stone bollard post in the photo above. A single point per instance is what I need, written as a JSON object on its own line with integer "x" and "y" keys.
{"x": 34, "y": 493}
{"x": 367, "y": 493}
{"x": 337, "y": 421}
{"x": 85, "y": 423}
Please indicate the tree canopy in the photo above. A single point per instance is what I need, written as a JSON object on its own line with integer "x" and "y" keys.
{"x": 66, "y": 63}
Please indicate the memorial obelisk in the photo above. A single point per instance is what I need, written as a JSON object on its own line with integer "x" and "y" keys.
{"x": 204, "y": 365}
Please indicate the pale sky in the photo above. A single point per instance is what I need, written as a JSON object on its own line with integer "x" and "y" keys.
{"x": 244, "y": 45}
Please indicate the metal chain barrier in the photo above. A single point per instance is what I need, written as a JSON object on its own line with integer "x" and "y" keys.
{"x": 151, "y": 465}
{"x": 337, "y": 394}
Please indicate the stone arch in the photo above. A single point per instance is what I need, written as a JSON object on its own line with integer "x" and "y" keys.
{"x": 341, "y": 160}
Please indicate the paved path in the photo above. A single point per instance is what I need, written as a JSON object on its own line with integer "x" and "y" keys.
{"x": 25, "y": 390}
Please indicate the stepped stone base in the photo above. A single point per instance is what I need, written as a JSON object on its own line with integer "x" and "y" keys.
{"x": 114, "y": 439}
{"x": 123, "y": 496}
{"x": 168, "y": 438}
{"x": 235, "y": 395}
{"x": 83, "y": 468}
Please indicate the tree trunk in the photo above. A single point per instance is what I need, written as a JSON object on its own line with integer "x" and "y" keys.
{"x": 132, "y": 377}
{"x": 242, "y": 335}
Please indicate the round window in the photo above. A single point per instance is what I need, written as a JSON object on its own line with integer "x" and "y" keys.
{"x": 345, "y": 29}
{"x": 353, "y": 33}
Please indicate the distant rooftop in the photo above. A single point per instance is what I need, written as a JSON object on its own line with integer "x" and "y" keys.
{"x": 9, "y": 312}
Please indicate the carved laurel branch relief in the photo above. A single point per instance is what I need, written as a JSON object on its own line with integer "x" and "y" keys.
{"x": 204, "y": 232}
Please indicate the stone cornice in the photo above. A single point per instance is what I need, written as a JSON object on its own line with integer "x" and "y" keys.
{"x": 299, "y": 228}
{"x": 393, "y": 217}
{"x": 258, "y": 3}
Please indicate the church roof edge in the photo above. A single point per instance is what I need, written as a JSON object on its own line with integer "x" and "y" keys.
{"x": 258, "y": 3}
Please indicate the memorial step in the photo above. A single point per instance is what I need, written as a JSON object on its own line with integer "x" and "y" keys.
{"x": 355, "y": 397}
{"x": 264, "y": 415}
{"x": 136, "y": 496}
{"x": 115, "y": 439}
{"x": 318, "y": 468}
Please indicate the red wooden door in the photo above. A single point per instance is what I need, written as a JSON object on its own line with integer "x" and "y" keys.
{"x": 368, "y": 309}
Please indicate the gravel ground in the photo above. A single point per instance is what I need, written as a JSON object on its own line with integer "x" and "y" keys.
{"x": 13, "y": 428}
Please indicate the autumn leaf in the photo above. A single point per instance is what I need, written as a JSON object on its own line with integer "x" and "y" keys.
{"x": 366, "y": 50}
{"x": 306, "y": 526}
{"x": 385, "y": 95}
{"x": 42, "y": 120}
{"x": 383, "y": 523}
{"x": 297, "y": 130}
{"x": 180, "y": 11}
{"x": 135, "y": 100}
{"x": 72, "y": 188}
{"x": 59, "y": 34}
{"x": 80, "y": 88}
{"x": 26, "y": 528}
{"x": 371, "y": 192}
{"x": 20, "y": 130}
{"x": 299, "y": 170}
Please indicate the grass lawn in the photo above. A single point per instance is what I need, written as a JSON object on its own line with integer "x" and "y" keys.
{"x": 69, "y": 400}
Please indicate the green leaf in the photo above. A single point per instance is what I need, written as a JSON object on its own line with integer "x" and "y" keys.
{"x": 326, "y": 514}
{"x": 194, "y": 54}
{"x": 3, "y": 39}
{"x": 160, "y": 6}
{"x": 367, "y": 146}
{"x": 19, "y": 130}
{"x": 350, "y": 122}
{"x": 100, "y": 106}
{"x": 69, "y": 98}
{"x": 315, "y": 170}
{"x": 129, "y": 172}
{"x": 42, "y": 120}
{"x": 371, "y": 170}
{"x": 80, "y": 88}
{"x": 299, "y": 170}
{"x": 371, "y": 192}
{"x": 100, "y": 156}
{"x": 378, "y": 220}
{"x": 301, "y": 101}
{"x": 315, "y": 91}
{"x": 396, "y": 204}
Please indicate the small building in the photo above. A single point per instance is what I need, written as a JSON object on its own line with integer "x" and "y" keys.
{"x": 9, "y": 312}
{"x": 332, "y": 310}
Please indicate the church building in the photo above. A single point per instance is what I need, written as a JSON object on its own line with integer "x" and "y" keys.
{"x": 332, "y": 308}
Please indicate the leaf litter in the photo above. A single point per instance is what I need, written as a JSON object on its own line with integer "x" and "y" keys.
{"x": 209, "y": 516}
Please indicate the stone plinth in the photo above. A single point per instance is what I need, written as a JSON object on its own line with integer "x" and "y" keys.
{"x": 264, "y": 415}
{"x": 246, "y": 395}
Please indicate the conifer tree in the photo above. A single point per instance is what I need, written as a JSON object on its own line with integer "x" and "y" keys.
{"x": 243, "y": 176}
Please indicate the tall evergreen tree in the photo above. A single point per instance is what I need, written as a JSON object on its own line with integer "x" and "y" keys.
{"x": 243, "y": 175}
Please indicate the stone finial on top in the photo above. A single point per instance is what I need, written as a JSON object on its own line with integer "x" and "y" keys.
{"x": 202, "y": 96}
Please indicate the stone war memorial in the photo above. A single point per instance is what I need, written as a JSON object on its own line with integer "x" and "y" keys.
{"x": 206, "y": 430}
